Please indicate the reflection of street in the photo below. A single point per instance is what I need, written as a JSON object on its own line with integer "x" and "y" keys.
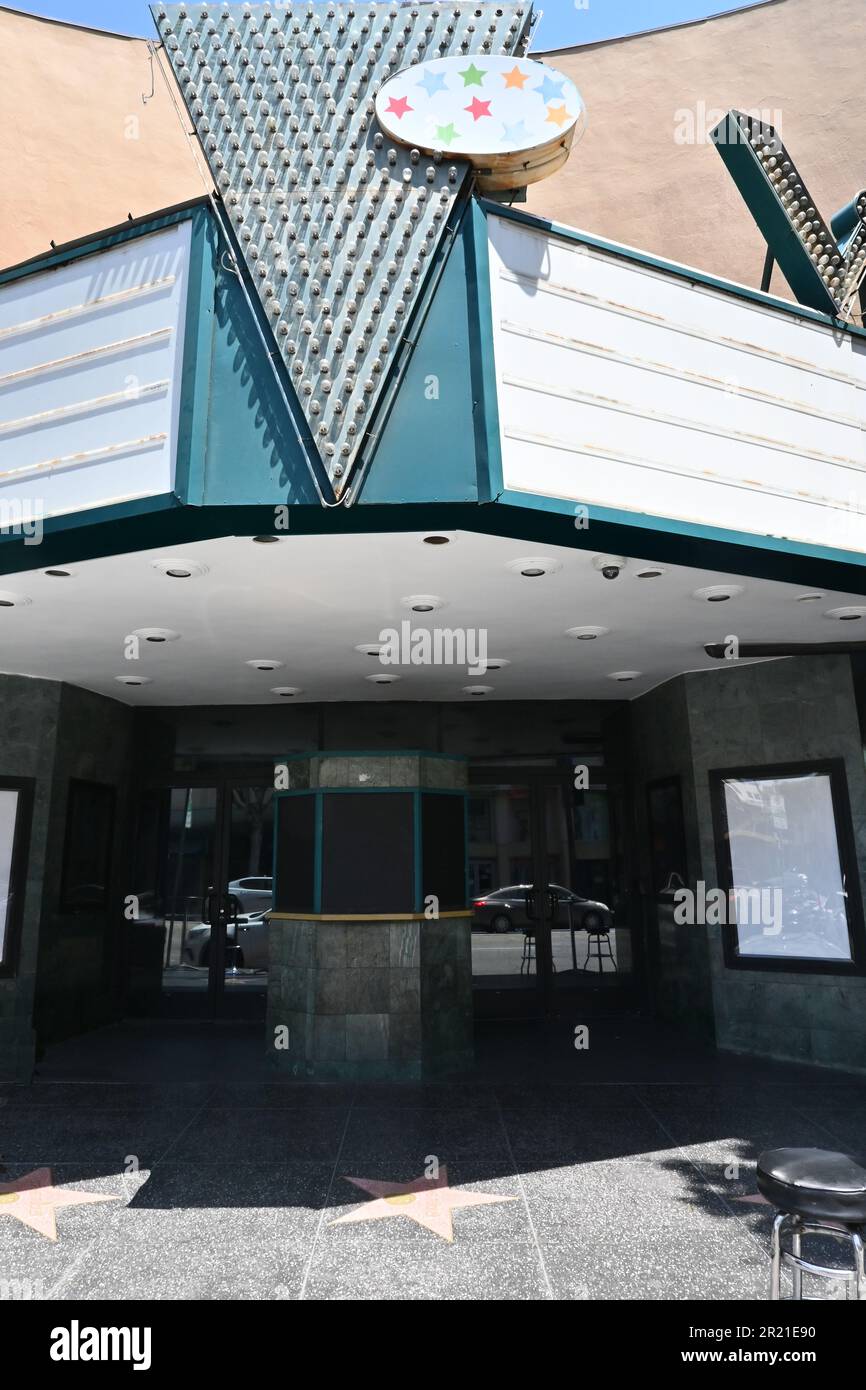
{"x": 497, "y": 958}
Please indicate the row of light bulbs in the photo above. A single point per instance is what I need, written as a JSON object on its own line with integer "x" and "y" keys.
{"x": 836, "y": 271}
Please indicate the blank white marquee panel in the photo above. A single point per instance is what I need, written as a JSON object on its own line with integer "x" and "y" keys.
{"x": 626, "y": 386}
{"x": 90, "y": 365}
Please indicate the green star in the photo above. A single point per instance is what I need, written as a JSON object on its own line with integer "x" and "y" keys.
{"x": 447, "y": 133}
{"x": 472, "y": 76}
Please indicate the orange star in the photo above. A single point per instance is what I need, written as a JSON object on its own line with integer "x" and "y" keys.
{"x": 515, "y": 78}
{"x": 558, "y": 115}
{"x": 426, "y": 1201}
{"x": 32, "y": 1200}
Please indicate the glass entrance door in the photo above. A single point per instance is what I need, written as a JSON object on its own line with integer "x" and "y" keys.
{"x": 549, "y": 925}
{"x": 510, "y": 931}
{"x": 197, "y": 944}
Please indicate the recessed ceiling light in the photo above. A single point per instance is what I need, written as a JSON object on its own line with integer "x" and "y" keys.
{"x": 370, "y": 648}
{"x": 650, "y": 572}
{"x": 380, "y": 678}
{"x": 718, "y": 593}
{"x": 266, "y": 540}
{"x": 587, "y": 634}
{"x": 423, "y": 603}
{"x": 846, "y": 615}
{"x": 437, "y": 540}
{"x": 810, "y": 598}
{"x": 478, "y": 690}
{"x": 59, "y": 574}
{"x": 534, "y": 566}
{"x": 156, "y": 634}
{"x": 264, "y": 663}
{"x": 623, "y": 675}
{"x": 287, "y": 691}
{"x": 495, "y": 663}
{"x": 177, "y": 568}
{"x": 10, "y": 600}
{"x": 133, "y": 680}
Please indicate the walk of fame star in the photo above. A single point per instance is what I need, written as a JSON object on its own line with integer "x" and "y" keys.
{"x": 33, "y": 1200}
{"x": 428, "y": 1202}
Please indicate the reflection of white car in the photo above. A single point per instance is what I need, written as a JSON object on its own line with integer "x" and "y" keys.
{"x": 246, "y": 947}
{"x": 253, "y": 894}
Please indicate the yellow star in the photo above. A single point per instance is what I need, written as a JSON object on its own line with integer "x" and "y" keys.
{"x": 558, "y": 115}
{"x": 32, "y": 1201}
{"x": 515, "y": 78}
{"x": 426, "y": 1201}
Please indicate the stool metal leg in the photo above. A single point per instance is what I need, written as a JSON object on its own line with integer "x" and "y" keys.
{"x": 796, "y": 1272}
{"x": 776, "y": 1265}
{"x": 859, "y": 1278}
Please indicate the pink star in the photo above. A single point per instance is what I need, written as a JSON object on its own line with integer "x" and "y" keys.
{"x": 33, "y": 1199}
{"x": 399, "y": 106}
{"x": 477, "y": 108}
{"x": 426, "y": 1201}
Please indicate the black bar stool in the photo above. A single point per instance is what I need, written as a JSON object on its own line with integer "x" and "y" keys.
{"x": 815, "y": 1193}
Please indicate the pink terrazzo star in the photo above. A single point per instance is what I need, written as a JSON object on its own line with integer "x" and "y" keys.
{"x": 427, "y": 1201}
{"x": 33, "y": 1200}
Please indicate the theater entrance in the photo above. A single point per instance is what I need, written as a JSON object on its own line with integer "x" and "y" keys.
{"x": 552, "y": 924}
{"x": 198, "y": 947}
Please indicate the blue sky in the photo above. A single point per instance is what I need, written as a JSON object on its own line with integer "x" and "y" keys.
{"x": 564, "y": 23}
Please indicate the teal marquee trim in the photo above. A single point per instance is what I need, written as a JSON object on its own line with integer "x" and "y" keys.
{"x": 521, "y": 516}
{"x": 195, "y": 382}
{"x": 483, "y": 361}
{"x": 683, "y": 272}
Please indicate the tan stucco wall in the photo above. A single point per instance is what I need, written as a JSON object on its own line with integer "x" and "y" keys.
{"x": 68, "y": 98}
{"x": 630, "y": 180}
{"x": 79, "y": 150}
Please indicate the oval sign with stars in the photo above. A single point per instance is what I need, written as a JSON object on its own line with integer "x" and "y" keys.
{"x": 505, "y": 115}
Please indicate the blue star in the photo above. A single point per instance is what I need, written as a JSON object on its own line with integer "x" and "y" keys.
{"x": 433, "y": 82}
{"x": 515, "y": 135}
{"x": 550, "y": 88}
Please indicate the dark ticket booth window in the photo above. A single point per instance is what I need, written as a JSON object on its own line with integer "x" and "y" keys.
{"x": 368, "y": 853}
{"x": 295, "y": 854}
{"x": 786, "y": 859}
{"x": 87, "y": 848}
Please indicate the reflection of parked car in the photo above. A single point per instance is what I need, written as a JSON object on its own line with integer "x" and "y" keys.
{"x": 505, "y": 909}
{"x": 254, "y": 894}
{"x": 246, "y": 943}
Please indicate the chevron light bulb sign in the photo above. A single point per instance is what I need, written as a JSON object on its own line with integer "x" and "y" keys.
{"x": 514, "y": 120}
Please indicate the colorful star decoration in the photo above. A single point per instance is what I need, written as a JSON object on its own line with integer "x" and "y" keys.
{"x": 446, "y": 133}
{"x": 473, "y": 76}
{"x": 477, "y": 108}
{"x": 399, "y": 106}
{"x": 429, "y": 108}
{"x": 33, "y": 1200}
{"x": 428, "y": 1202}
{"x": 515, "y": 78}
{"x": 557, "y": 115}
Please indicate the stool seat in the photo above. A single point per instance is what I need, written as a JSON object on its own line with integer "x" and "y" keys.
{"x": 814, "y": 1183}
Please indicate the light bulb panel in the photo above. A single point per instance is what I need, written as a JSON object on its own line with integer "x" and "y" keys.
{"x": 802, "y": 244}
{"x": 281, "y": 100}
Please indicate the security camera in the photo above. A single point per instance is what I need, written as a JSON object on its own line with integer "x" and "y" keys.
{"x": 611, "y": 566}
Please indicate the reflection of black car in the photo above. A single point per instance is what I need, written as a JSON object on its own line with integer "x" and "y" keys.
{"x": 505, "y": 910}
